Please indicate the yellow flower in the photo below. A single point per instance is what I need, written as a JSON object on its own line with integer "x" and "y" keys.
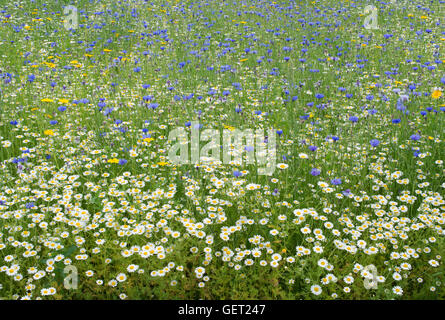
{"x": 148, "y": 140}
{"x": 47, "y": 100}
{"x": 229, "y": 127}
{"x": 48, "y": 132}
{"x": 162, "y": 163}
{"x": 436, "y": 94}
{"x": 114, "y": 160}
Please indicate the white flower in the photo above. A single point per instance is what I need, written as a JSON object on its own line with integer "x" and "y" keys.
{"x": 316, "y": 289}
{"x": 397, "y": 290}
{"x": 433, "y": 263}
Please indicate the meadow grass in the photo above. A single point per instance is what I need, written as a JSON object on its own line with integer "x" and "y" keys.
{"x": 85, "y": 114}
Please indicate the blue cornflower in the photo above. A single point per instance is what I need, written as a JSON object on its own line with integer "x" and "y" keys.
{"x": 374, "y": 142}
{"x": 29, "y": 205}
{"x": 153, "y": 105}
{"x": 315, "y": 172}
{"x": 313, "y": 148}
{"x": 353, "y": 118}
{"x": 108, "y": 111}
{"x": 336, "y": 181}
{"x": 237, "y": 173}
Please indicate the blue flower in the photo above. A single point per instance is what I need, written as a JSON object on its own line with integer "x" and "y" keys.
{"x": 237, "y": 173}
{"x": 374, "y": 142}
{"x": 353, "y": 118}
{"x": 153, "y": 105}
{"x": 108, "y": 111}
{"x": 313, "y": 148}
{"x": 122, "y": 161}
{"x": 29, "y": 205}
{"x": 315, "y": 172}
{"x": 415, "y": 137}
{"x": 336, "y": 181}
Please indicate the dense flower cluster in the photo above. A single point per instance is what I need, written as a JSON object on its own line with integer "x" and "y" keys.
{"x": 86, "y": 181}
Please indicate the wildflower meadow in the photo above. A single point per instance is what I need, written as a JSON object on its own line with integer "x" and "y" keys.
{"x": 232, "y": 149}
